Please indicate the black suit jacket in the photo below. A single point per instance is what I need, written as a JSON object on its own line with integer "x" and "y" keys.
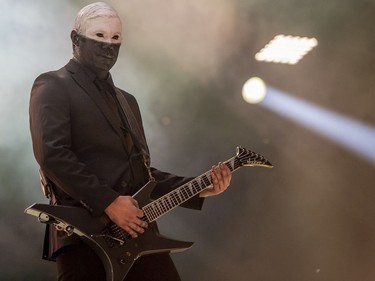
{"x": 79, "y": 145}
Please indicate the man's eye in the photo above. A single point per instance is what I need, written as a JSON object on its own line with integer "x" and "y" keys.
{"x": 99, "y": 34}
{"x": 116, "y": 37}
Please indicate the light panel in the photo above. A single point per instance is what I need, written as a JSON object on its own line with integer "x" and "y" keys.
{"x": 286, "y": 49}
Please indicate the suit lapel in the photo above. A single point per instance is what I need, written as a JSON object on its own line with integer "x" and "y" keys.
{"x": 90, "y": 89}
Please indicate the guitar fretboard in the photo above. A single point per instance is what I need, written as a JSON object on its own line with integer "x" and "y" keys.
{"x": 173, "y": 199}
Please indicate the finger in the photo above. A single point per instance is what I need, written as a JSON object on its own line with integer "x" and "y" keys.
{"x": 141, "y": 223}
{"x": 140, "y": 213}
{"x": 137, "y": 228}
{"x": 218, "y": 170}
{"x": 224, "y": 169}
{"x": 131, "y": 232}
{"x": 226, "y": 175}
{"x": 135, "y": 202}
{"x": 222, "y": 175}
{"x": 215, "y": 180}
{"x": 217, "y": 186}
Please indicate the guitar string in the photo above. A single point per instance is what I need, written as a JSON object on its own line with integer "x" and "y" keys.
{"x": 187, "y": 191}
{"x": 173, "y": 198}
{"x": 155, "y": 209}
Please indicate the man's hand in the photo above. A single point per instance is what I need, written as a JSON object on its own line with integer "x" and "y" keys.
{"x": 221, "y": 176}
{"x": 124, "y": 211}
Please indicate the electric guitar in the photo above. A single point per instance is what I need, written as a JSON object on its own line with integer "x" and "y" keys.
{"x": 116, "y": 248}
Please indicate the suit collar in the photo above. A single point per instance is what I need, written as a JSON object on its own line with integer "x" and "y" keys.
{"x": 85, "y": 79}
{"x": 74, "y": 66}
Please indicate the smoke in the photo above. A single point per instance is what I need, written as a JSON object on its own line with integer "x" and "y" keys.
{"x": 196, "y": 35}
{"x": 33, "y": 41}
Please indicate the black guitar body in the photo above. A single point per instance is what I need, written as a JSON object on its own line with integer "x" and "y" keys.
{"x": 117, "y": 250}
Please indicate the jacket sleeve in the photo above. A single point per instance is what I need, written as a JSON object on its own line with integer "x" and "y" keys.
{"x": 50, "y": 126}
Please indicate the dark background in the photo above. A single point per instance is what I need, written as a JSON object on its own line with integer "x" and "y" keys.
{"x": 309, "y": 218}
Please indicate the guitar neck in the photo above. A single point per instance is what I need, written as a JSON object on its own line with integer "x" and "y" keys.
{"x": 173, "y": 199}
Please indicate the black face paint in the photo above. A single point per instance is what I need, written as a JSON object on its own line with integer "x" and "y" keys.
{"x": 98, "y": 56}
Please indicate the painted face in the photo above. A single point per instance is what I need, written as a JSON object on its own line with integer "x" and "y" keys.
{"x": 99, "y": 45}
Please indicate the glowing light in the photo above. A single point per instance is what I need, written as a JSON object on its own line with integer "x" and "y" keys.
{"x": 254, "y": 90}
{"x": 286, "y": 49}
{"x": 348, "y": 133}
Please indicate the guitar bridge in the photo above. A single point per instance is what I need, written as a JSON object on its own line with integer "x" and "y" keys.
{"x": 109, "y": 239}
{"x": 114, "y": 235}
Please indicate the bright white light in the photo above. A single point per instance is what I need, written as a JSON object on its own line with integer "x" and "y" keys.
{"x": 254, "y": 90}
{"x": 286, "y": 49}
{"x": 346, "y": 132}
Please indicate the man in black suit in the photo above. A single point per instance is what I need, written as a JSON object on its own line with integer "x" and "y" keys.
{"x": 92, "y": 148}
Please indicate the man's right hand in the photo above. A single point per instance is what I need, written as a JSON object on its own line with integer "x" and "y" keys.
{"x": 124, "y": 211}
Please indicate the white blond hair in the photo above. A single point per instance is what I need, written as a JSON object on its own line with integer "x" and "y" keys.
{"x": 94, "y": 10}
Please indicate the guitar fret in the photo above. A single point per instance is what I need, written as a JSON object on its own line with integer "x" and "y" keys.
{"x": 157, "y": 209}
{"x": 196, "y": 190}
{"x": 199, "y": 182}
{"x": 146, "y": 212}
{"x": 170, "y": 204}
{"x": 176, "y": 197}
{"x": 184, "y": 192}
{"x": 206, "y": 180}
{"x": 183, "y": 195}
{"x": 178, "y": 194}
{"x": 152, "y": 213}
{"x": 162, "y": 205}
{"x": 173, "y": 198}
{"x": 196, "y": 186}
{"x": 165, "y": 205}
{"x": 188, "y": 190}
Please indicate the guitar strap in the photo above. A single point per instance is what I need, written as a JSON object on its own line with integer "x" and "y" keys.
{"x": 135, "y": 129}
{"x": 47, "y": 188}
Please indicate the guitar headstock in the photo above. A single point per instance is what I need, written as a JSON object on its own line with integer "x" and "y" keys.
{"x": 250, "y": 158}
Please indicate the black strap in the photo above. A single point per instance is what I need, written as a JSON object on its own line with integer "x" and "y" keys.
{"x": 135, "y": 130}
{"x": 47, "y": 188}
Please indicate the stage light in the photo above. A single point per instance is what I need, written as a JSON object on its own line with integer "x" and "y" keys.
{"x": 254, "y": 90}
{"x": 286, "y": 49}
{"x": 351, "y": 134}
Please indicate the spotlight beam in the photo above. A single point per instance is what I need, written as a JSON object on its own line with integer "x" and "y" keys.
{"x": 348, "y": 133}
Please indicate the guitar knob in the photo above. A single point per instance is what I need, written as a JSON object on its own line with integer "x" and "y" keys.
{"x": 69, "y": 230}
